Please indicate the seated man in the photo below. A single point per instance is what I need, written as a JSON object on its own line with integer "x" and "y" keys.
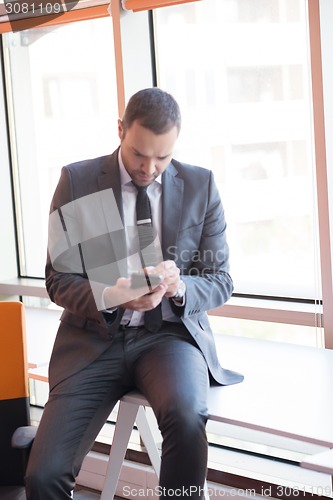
{"x": 108, "y": 217}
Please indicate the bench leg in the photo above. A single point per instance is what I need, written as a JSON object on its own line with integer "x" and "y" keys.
{"x": 206, "y": 493}
{"x": 125, "y": 420}
{"x": 146, "y": 433}
{"x": 128, "y": 414}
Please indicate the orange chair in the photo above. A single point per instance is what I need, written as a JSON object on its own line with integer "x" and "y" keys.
{"x": 14, "y": 401}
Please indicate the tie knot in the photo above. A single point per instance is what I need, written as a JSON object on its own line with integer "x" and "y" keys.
{"x": 140, "y": 189}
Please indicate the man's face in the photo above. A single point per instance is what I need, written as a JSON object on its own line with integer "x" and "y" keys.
{"x": 145, "y": 154}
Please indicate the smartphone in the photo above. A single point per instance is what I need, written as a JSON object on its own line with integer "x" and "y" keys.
{"x": 139, "y": 280}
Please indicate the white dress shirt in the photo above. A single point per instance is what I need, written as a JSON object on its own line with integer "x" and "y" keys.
{"x": 129, "y": 193}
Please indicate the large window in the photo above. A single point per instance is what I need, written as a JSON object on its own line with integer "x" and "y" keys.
{"x": 241, "y": 73}
{"x": 240, "y": 70}
{"x": 63, "y": 110}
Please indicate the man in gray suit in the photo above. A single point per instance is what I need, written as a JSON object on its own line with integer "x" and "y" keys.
{"x": 105, "y": 345}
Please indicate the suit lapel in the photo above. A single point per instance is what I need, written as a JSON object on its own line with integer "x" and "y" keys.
{"x": 110, "y": 179}
{"x": 113, "y": 211}
{"x": 173, "y": 192}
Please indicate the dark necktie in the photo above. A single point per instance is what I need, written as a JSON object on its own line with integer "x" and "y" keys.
{"x": 148, "y": 254}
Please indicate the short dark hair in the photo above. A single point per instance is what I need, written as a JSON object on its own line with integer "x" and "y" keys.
{"x": 154, "y": 109}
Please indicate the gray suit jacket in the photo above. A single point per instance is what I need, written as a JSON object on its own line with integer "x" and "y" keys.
{"x": 193, "y": 228}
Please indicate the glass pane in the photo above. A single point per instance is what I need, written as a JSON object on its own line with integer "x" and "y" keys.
{"x": 311, "y": 336}
{"x": 240, "y": 71}
{"x": 64, "y": 109}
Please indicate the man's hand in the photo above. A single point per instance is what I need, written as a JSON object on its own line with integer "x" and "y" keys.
{"x": 140, "y": 299}
{"x": 171, "y": 274}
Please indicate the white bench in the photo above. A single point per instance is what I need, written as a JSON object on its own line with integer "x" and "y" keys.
{"x": 321, "y": 462}
{"x": 287, "y": 391}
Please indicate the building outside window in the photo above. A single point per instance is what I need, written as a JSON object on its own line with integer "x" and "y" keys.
{"x": 63, "y": 110}
{"x": 241, "y": 72}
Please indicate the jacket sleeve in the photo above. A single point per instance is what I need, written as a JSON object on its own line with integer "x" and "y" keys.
{"x": 67, "y": 282}
{"x": 208, "y": 282}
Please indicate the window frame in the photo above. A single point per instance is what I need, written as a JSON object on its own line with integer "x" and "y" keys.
{"x": 249, "y": 307}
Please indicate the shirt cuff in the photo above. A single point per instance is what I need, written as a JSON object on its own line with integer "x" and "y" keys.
{"x": 179, "y": 302}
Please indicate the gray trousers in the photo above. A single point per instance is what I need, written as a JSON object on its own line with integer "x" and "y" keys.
{"x": 169, "y": 369}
